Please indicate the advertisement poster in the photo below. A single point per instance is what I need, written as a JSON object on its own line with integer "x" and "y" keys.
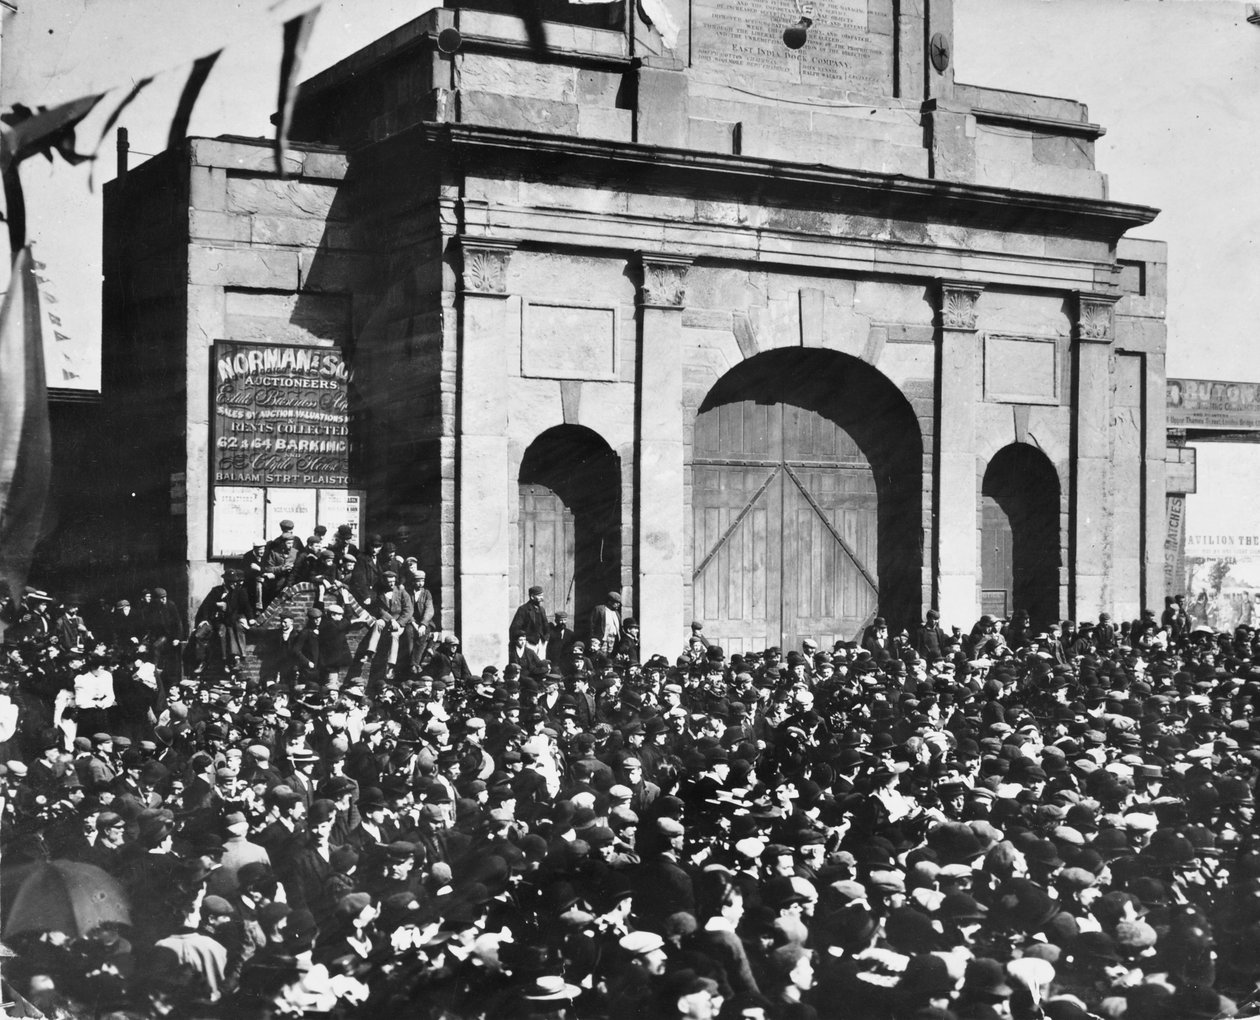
{"x": 1222, "y": 527}
{"x": 296, "y": 505}
{"x": 238, "y": 520}
{"x": 280, "y": 416}
{"x": 1213, "y": 404}
{"x": 337, "y": 507}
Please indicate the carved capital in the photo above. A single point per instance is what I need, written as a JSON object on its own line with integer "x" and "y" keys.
{"x": 958, "y": 305}
{"x": 1095, "y": 318}
{"x": 485, "y": 265}
{"x": 664, "y": 281}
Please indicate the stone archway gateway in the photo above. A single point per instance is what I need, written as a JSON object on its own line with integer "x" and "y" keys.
{"x": 1019, "y": 535}
{"x": 569, "y": 526}
{"x": 805, "y": 502}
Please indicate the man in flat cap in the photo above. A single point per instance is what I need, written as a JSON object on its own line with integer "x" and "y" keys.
{"x": 125, "y": 625}
{"x": 165, "y": 633}
{"x": 606, "y": 620}
{"x": 226, "y": 611}
{"x": 530, "y": 619}
{"x": 662, "y": 887}
{"x": 393, "y": 613}
{"x": 280, "y": 561}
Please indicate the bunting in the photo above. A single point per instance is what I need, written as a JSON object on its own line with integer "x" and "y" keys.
{"x": 64, "y": 368}
{"x": 54, "y": 56}
{"x": 535, "y": 29}
{"x": 297, "y": 33}
{"x": 201, "y": 69}
{"x": 25, "y": 133}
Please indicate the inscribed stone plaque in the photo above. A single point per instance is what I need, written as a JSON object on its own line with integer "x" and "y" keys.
{"x": 1021, "y": 370}
{"x": 849, "y": 45}
{"x": 569, "y": 342}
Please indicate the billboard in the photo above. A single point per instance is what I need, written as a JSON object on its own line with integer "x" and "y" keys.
{"x": 1213, "y": 404}
{"x": 281, "y": 416}
{"x": 279, "y": 444}
{"x": 1222, "y": 535}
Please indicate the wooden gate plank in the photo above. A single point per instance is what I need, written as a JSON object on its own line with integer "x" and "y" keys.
{"x": 848, "y": 549}
{"x": 792, "y": 551}
{"x": 548, "y": 541}
{"x": 730, "y": 530}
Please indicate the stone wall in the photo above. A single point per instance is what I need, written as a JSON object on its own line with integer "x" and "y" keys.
{"x": 269, "y": 259}
{"x": 510, "y": 242}
{"x": 140, "y": 447}
{"x": 854, "y": 96}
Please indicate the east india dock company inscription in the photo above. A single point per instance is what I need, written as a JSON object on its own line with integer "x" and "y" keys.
{"x": 850, "y": 43}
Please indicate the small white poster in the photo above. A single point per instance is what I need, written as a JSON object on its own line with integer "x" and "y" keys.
{"x": 238, "y": 520}
{"x": 296, "y": 505}
{"x": 338, "y": 507}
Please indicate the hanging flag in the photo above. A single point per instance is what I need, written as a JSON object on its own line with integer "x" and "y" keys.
{"x": 25, "y": 440}
{"x": 659, "y": 15}
{"x": 297, "y": 33}
{"x": 111, "y": 120}
{"x": 55, "y": 52}
{"x": 25, "y": 133}
{"x": 201, "y": 69}
{"x": 535, "y": 30}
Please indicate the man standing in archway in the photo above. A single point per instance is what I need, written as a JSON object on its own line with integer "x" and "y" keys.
{"x": 606, "y": 621}
{"x": 531, "y": 620}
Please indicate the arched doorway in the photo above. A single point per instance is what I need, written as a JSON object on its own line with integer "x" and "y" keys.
{"x": 569, "y": 528}
{"x": 806, "y": 502}
{"x": 1019, "y": 534}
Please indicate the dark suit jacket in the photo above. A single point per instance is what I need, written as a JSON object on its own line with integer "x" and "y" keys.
{"x": 530, "y": 620}
{"x": 162, "y": 620}
{"x": 662, "y": 888}
{"x": 304, "y": 647}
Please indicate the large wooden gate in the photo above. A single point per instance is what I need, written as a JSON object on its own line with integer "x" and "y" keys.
{"x": 785, "y": 536}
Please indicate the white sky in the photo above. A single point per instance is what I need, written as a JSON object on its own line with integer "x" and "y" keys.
{"x": 1173, "y": 82}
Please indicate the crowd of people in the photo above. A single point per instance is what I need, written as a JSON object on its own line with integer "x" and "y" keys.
{"x": 1009, "y": 821}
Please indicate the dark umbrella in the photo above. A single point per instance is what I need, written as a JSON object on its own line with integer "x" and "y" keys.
{"x": 67, "y": 896}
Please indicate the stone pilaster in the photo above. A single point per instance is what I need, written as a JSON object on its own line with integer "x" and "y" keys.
{"x": 1155, "y": 478}
{"x": 483, "y": 487}
{"x": 956, "y": 545}
{"x": 1093, "y": 331}
{"x": 660, "y": 504}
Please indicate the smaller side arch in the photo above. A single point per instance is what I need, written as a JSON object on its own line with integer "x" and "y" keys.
{"x": 1020, "y": 541}
{"x": 569, "y": 520}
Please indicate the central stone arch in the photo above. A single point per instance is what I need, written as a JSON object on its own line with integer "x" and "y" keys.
{"x": 806, "y": 502}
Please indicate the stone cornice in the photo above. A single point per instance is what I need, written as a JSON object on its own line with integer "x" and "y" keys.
{"x": 1046, "y": 125}
{"x": 630, "y": 164}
